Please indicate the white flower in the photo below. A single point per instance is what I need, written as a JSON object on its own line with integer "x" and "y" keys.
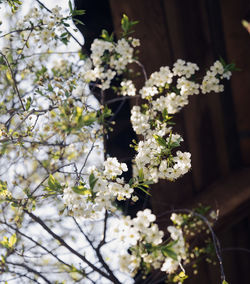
{"x": 176, "y": 218}
{"x": 170, "y": 265}
{"x": 113, "y": 168}
{"x": 128, "y": 88}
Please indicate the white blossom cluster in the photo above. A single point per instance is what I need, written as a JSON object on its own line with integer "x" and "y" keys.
{"x": 44, "y": 26}
{"x": 211, "y": 81}
{"x": 108, "y": 60}
{"x": 142, "y": 237}
{"x": 156, "y": 165}
{"x": 182, "y": 68}
{"x": 166, "y": 97}
{"x": 170, "y": 265}
{"x": 128, "y": 88}
{"x": 108, "y": 187}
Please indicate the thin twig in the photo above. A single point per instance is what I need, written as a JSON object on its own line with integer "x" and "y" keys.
{"x": 143, "y": 69}
{"x": 215, "y": 239}
{"x": 53, "y": 172}
{"x": 29, "y": 269}
{"x": 63, "y": 243}
{"x": 14, "y": 80}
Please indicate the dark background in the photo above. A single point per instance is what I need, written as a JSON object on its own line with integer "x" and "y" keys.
{"x": 215, "y": 127}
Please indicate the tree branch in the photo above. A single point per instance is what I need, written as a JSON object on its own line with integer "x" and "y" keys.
{"x": 63, "y": 243}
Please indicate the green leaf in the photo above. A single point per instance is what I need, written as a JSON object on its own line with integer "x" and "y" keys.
{"x": 161, "y": 141}
{"x": 12, "y": 240}
{"x": 92, "y": 181}
{"x": 105, "y": 35}
{"x": 126, "y": 25}
{"x": 166, "y": 251}
{"x": 80, "y": 189}
{"x": 78, "y": 12}
{"x": 131, "y": 181}
{"x": 141, "y": 174}
{"x": 28, "y": 103}
{"x": 141, "y": 187}
{"x": 54, "y": 185}
{"x": 70, "y": 7}
{"x": 50, "y": 88}
{"x": 89, "y": 118}
{"x": 77, "y": 21}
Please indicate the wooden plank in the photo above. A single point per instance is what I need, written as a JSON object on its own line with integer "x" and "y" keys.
{"x": 237, "y": 47}
{"x": 230, "y": 195}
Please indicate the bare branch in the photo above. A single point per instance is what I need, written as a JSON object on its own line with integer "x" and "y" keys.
{"x": 14, "y": 80}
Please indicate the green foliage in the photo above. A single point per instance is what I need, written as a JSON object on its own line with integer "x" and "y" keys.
{"x": 14, "y": 4}
{"x": 105, "y": 35}
{"x": 54, "y": 187}
{"x": 161, "y": 141}
{"x": 9, "y": 242}
{"x": 3, "y": 186}
{"x": 228, "y": 67}
{"x": 81, "y": 189}
{"x": 92, "y": 181}
{"x": 140, "y": 182}
{"x": 127, "y": 25}
{"x": 74, "y": 12}
{"x": 202, "y": 210}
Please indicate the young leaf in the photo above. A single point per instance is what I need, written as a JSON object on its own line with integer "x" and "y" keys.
{"x": 161, "y": 141}
{"x": 169, "y": 252}
{"x": 12, "y": 240}
{"x": 141, "y": 175}
{"x": 28, "y": 103}
{"x": 78, "y": 12}
{"x": 92, "y": 181}
{"x": 54, "y": 185}
{"x": 81, "y": 190}
{"x": 70, "y": 7}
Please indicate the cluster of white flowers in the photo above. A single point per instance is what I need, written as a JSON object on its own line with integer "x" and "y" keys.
{"x": 211, "y": 81}
{"x": 139, "y": 120}
{"x": 45, "y": 26}
{"x": 182, "y": 68}
{"x": 155, "y": 158}
{"x": 161, "y": 78}
{"x": 128, "y": 88}
{"x": 142, "y": 237}
{"x": 187, "y": 87}
{"x": 109, "y": 59}
{"x": 91, "y": 202}
{"x": 152, "y": 159}
{"x": 170, "y": 265}
{"x": 172, "y": 103}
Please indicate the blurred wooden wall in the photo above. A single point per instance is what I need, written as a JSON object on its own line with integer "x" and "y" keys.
{"x": 215, "y": 127}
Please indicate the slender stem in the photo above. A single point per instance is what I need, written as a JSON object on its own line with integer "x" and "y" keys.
{"x": 53, "y": 172}
{"x": 38, "y": 244}
{"x": 102, "y": 242}
{"x": 143, "y": 69}
{"x": 29, "y": 269}
{"x": 216, "y": 242}
{"x": 18, "y": 31}
{"x": 14, "y": 80}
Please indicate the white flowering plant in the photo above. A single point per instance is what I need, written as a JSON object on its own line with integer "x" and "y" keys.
{"x": 58, "y": 192}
